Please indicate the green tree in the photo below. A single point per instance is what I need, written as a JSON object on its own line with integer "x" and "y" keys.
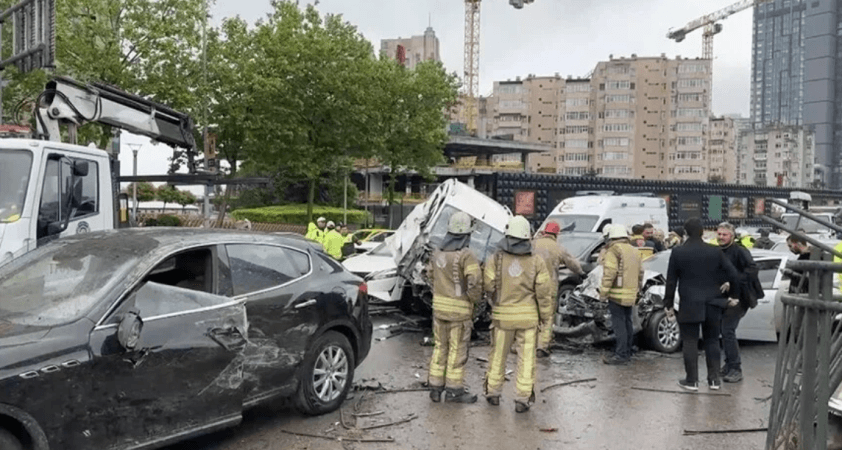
{"x": 185, "y": 198}
{"x": 146, "y": 192}
{"x": 312, "y": 85}
{"x": 410, "y": 124}
{"x": 168, "y": 194}
{"x": 141, "y": 46}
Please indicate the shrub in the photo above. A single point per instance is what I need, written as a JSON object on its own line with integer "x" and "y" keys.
{"x": 297, "y": 214}
{"x": 163, "y": 221}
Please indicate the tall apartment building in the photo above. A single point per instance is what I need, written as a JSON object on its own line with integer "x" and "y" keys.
{"x": 744, "y": 162}
{"x": 523, "y": 110}
{"x": 795, "y": 75}
{"x": 411, "y": 51}
{"x": 722, "y": 154}
{"x": 779, "y": 156}
{"x": 633, "y": 118}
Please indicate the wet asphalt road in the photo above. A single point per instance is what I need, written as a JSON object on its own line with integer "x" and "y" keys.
{"x": 603, "y": 414}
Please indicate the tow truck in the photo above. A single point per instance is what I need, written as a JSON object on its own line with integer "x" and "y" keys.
{"x": 50, "y": 189}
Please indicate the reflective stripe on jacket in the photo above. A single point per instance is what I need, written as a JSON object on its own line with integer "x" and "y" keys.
{"x": 520, "y": 289}
{"x": 554, "y": 256}
{"x": 456, "y": 284}
{"x": 622, "y": 273}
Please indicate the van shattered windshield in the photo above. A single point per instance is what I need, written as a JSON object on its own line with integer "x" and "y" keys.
{"x": 574, "y": 222}
{"x": 15, "y": 166}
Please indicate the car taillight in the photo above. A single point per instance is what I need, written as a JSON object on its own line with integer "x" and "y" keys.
{"x": 364, "y": 289}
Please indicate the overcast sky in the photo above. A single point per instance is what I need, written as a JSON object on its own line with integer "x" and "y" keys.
{"x": 545, "y": 37}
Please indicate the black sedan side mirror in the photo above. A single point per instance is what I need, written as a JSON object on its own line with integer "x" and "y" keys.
{"x": 128, "y": 332}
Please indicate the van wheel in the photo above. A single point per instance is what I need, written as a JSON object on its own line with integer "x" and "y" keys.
{"x": 326, "y": 375}
{"x": 662, "y": 334}
{"x": 8, "y": 441}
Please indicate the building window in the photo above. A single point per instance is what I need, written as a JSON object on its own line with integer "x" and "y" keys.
{"x": 688, "y": 126}
{"x": 692, "y": 68}
{"x": 692, "y": 83}
{"x": 510, "y": 89}
{"x": 619, "y": 70}
{"x": 578, "y": 87}
{"x": 511, "y": 104}
{"x": 616, "y": 170}
{"x": 689, "y": 97}
{"x": 688, "y": 169}
{"x": 620, "y": 84}
{"x": 576, "y": 157}
{"x": 577, "y": 115}
{"x": 576, "y": 102}
{"x": 690, "y": 112}
{"x": 616, "y": 127}
{"x": 615, "y": 142}
{"x": 617, "y": 98}
{"x": 576, "y": 143}
{"x": 618, "y": 113}
{"x": 690, "y": 140}
{"x": 614, "y": 156}
{"x": 576, "y": 129}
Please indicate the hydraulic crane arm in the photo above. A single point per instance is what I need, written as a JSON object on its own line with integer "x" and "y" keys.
{"x": 709, "y": 19}
{"x": 70, "y": 102}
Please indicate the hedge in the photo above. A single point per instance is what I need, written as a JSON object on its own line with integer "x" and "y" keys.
{"x": 297, "y": 214}
{"x": 163, "y": 220}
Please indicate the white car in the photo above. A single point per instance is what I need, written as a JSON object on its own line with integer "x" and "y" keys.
{"x": 394, "y": 270}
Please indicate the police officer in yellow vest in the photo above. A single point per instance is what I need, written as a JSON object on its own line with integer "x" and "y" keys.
{"x": 554, "y": 255}
{"x": 333, "y": 241}
{"x": 622, "y": 276}
{"x": 316, "y": 231}
{"x": 520, "y": 293}
{"x": 456, "y": 282}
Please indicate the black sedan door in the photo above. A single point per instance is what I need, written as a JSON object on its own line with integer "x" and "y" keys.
{"x": 283, "y": 315}
{"x": 184, "y": 375}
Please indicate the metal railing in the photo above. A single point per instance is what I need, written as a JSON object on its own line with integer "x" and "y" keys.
{"x": 809, "y": 361}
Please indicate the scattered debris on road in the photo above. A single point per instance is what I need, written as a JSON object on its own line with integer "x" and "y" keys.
{"x": 371, "y": 414}
{"x": 337, "y": 438}
{"x": 412, "y": 416}
{"x": 716, "y": 394}
{"x": 743, "y": 430}
{"x": 548, "y": 430}
{"x": 481, "y": 359}
{"x": 567, "y": 383}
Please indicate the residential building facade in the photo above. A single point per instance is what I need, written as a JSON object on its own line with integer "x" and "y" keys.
{"x": 722, "y": 156}
{"x": 779, "y": 156}
{"x": 414, "y": 50}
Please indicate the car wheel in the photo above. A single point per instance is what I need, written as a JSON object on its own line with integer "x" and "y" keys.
{"x": 326, "y": 375}
{"x": 8, "y": 441}
{"x": 564, "y": 292}
{"x": 662, "y": 333}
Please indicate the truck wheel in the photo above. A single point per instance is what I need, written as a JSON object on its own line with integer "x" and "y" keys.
{"x": 662, "y": 334}
{"x": 326, "y": 375}
{"x": 8, "y": 441}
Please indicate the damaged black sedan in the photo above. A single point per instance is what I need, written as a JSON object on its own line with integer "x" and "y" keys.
{"x": 140, "y": 338}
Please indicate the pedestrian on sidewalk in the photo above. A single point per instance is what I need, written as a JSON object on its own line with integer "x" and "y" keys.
{"x": 456, "y": 282}
{"x": 519, "y": 288}
{"x": 698, "y": 271}
{"x": 622, "y": 277}
{"x": 554, "y": 255}
{"x": 740, "y": 300}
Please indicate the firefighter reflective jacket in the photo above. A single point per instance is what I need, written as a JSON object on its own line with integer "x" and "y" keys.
{"x": 520, "y": 291}
{"x": 554, "y": 255}
{"x": 456, "y": 283}
{"x": 622, "y": 273}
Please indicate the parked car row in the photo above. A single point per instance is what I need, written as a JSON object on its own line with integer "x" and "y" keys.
{"x": 138, "y": 338}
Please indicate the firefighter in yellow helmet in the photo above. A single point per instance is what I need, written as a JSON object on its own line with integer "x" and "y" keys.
{"x": 554, "y": 255}
{"x": 621, "y": 278}
{"x": 456, "y": 281}
{"x": 520, "y": 293}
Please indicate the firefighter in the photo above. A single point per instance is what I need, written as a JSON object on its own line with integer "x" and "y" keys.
{"x": 622, "y": 276}
{"x": 520, "y": 293}
{"x": 316, "y": 231}
{"x": 456, "y": 281}
{"x": 554, "y": 255}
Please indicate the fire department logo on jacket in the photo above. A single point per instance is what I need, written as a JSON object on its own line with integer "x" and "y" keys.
{"x": 441, "y": 261}
{"x": 515, "y": 269}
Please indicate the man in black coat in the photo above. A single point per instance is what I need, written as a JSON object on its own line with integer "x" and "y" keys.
{"x": 699, "y": 270}
{"x": 741, "y": 259}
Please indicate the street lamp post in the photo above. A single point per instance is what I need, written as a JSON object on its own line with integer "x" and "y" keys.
{"x": 135, "y": 148}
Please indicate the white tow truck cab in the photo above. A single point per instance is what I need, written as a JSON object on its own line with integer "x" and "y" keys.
{"x": 50, "y": 189}
{"x": 591, "y": 211}
{"x": 806, "y": 225}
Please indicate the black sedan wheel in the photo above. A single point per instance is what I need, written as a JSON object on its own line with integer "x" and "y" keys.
{"x": 662, "y": 333}
{"x": 8, "y": 441}
{"x": 326, "y": 375}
